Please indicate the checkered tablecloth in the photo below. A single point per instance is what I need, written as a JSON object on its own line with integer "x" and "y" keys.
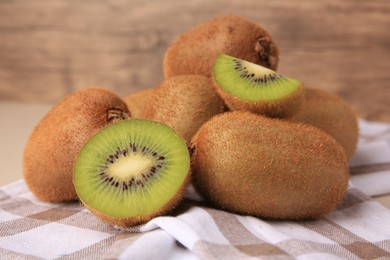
{"x": 358, "y": 228}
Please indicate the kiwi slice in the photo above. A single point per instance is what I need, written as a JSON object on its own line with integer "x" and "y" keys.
{"x": 132, "y": 171}
{"x": 244, "y": 85}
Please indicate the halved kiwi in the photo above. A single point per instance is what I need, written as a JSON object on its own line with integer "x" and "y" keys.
{"x": 250, "y": 87}
{"x": 132, "y": 171}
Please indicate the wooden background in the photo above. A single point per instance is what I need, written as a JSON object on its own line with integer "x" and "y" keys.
{"x": 51, "y": 47}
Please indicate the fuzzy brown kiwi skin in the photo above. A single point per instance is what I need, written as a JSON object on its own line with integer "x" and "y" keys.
{"x": 331, "y": 114}
{"x": 274, "y": 169}
{"x": 54, "y": 143}
{"x": 123, "y": 223}
{"x": 285, "y": 107}
{"x": 138, "y": 102}
{"x": 194, "y": 52}
{"x": 184, "y": 103}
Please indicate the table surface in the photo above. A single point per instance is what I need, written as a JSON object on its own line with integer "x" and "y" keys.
{"x": 20, "y": 119}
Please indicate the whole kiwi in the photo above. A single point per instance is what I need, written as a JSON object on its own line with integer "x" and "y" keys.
{"x": 184, "y": 103}
{"x": 194, "y": 51}
{"x": 269, "y": 168}
{"x": 138, "y": 102}
{"x": 52, "y": 148}
{"x": 331, "y": 114}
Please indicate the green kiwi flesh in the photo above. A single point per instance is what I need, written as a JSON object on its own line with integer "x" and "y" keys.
{"x": 247, "y": 86}
{"x": 250, "y": 81}
{"x": 132, "y": 171}
{"x": 267, "y": 167}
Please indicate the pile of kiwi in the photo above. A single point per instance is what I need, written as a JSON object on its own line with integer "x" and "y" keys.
{"x": 250, "y": 140}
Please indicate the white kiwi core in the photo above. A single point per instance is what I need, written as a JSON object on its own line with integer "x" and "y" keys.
{"x": 130, "y": 166}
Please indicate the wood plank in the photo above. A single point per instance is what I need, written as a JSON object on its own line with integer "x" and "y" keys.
{"x": 51, "y": 47}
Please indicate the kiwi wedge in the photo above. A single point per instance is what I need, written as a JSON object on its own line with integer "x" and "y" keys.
{"x": 250, "y": 87}
{"x": 56, "y": 140}
{"x": 132, "y": 171}
{"x": 331, "y": 114}
{"x": 267, "y": 167}
{"x": 194, "y": 51}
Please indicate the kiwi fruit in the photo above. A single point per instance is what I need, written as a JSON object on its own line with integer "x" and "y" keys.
{"x": 267, "y": 167}
{"x": 132, "y": 171}
{"x": 331, "y": 114}
{"x": 138, "y": 102}
{"x": 184, "y": 103}
{"x": 52, "y": 148}
{"x": 246, "y": 86}
{"x": 194, "y": 51}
